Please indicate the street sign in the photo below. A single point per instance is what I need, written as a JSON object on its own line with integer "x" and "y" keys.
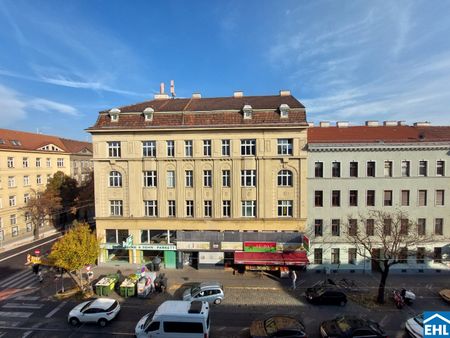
{"x": 37, "y": 252}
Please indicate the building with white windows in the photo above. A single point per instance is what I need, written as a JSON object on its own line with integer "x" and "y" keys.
{"x": 353, "y": 169}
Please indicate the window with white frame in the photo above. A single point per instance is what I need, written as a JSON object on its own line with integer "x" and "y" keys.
{"x": 207, "y": 208}
{"x": 12, "y": 219}
{"x": 29, "y": 226}
{"x": 114, "y": 149}
{"x": 26, "y": 180}
{"x": 422, "y": 198}
{"x": 336, "y": 169}
{"x": 38, "y": 179}
{"x": 12, "y": 201}
{"x": 285, "y": 178}
{"x": 248, "y": 208}
{"x": 207, "y": 148}
{"x": 248, "y": 147}
{"x": 387, "y": 168}
{"x": 10, "y": 162}
{"x": 171, "y": 208}
{"x": 170, "y": 148}
{"x": 406, "y": 168}
{"x": 150, "y": 178}
{"x": 149, "y": 148}
{"x": 11, "y": 181}
{"x": 27, "y": 216}
{"x": 423, "y": 168}
{"x": 284, "y": 208}
{"x": 60, "y": 162}
{"x": 335, "y": 256}
{"x": 226, "y": 208}
{"x": 25, "y": 162}
{"x": 248, "y": 178}
{"x": 116, "y": 208}
{"x": 439, "y": 226}
{"x": 38, "y": 162}
{"x": 440, "y": 168}
{"x": 285, "y": 146}
{"x": 440, "y": 197}
{"x": 189, "y": 208}
{"x": 115, "y": 179}
{"x": 15, "y": 231}
{"x": 48, "y": 162}
{"x": 49, "y": 176}
{"x": 188, "y": 149}
{"x": 189, "y": 178}
{"x": 207, "y": 178}
{"x": 26, "y": 198}
{"x": 151, "y": 208}
{"x": 226, "y": 178}
{"x": 170, "y": 179}
{"x": 116, "y": 235}
{"x": 226, "y": 148}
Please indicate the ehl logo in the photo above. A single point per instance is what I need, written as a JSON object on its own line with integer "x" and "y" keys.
{"x": 436, "y": 324}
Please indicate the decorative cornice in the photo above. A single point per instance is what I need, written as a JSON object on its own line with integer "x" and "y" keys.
{"x": 334, "y": 147}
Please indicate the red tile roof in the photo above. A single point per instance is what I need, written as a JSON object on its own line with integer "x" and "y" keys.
{"x": 31, "y": 141}
{"x": 386, "y": 134}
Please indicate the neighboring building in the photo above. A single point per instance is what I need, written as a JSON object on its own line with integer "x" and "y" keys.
{"x": 27, "y": 161}
{"x": 207, "y": 174}
{"x": 392, "y": 167}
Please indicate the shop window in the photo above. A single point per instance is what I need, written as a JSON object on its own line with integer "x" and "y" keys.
{"x": 116, "y": 235}
{"x": 420, "y": 255}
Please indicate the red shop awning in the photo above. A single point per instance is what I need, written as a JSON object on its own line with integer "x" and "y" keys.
{"x": 271, "y": 258}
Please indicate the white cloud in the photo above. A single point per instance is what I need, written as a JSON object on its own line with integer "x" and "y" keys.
{"x": 12, "y": 107}
{"x": 52, "y": 106}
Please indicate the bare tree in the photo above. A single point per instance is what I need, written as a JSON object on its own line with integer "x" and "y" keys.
{"x": 386, "y": 238}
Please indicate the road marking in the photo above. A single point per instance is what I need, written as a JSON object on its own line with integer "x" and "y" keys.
{"x": 15, "y": 276}
{"x": 5, "y": 294}
{"x": 15, "y": 314}
{"x": 26, "y": 334}
{"x": 19, "y": 281}
{"x": 29, "y": 249}
{"x": 31, "y": 298}
{"x": 9, "y": 323}
{"x": 32, "y": 280}
{"x": 22, "y": 306}
{"x": 56, "y": 309}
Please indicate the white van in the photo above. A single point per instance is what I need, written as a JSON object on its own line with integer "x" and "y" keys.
{"x": 176, "y": 319}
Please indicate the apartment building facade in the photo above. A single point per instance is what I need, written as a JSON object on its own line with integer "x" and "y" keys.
{"x": 27, "y": 162}
{"x": 390, "y": 167}
{"x": 198, "y": 179}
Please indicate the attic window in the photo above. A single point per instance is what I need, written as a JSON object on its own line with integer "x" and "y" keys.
{"x": 247, "y": 111}
{"x": 284, "y": 111}
{"x": 2, "y": 141}
{"x": 114, "y": 113}
{"x": 15, "y": 143}
{"x": 148, "y": 114}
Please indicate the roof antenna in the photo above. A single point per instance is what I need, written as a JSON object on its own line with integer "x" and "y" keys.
{"x": 172, "y": 88}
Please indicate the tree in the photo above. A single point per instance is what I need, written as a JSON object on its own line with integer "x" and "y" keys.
{"x": 386, "y": 239}
{"x": 66, "y": 188}
{"x": 84, "y": 206}
{"x": 40, "y": 208}
{"x": 76, "y": 249}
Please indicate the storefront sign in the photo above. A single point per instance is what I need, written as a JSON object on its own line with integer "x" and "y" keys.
{"x": 284, "y": 247}
{"x": 210, "y": 258}
{"x": 157, "y": 247}
{"x": 193, "y": 245}
{"x": 232, "y": 246}
{"x": 128, "y": 242}
{"x": 260, "y": 246}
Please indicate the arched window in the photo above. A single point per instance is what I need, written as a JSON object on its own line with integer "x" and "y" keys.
{"x": 115, "y": 179}
{"x": 285, "y": 178}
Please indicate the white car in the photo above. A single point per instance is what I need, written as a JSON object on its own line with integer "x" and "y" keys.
{"x": 414, "y": 326}
{"x": 100, "y": 311}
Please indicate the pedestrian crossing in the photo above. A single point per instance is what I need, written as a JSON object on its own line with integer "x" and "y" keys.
{"x": 22, "y": 279}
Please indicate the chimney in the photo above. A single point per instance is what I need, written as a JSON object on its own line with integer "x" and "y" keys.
{"x": 161, "y": 88}
{"x": 310, "y": 124}
{"x": 172, "y": 88}
{"x": 372, "y": 123}
{"x": 390, "y": 123}
{"x": 238, "y": 93}
{"x": 161, "y": 95}
{"x": 422, "y": 124}
{"x": 324, "y": 124}
{"x": 285, "y": 92}
{"x": 401, "y": 123}
{"x": 342, "y": 124}
{"x": 196, "y": 96}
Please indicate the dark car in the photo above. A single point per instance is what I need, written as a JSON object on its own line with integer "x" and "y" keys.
{"x": 277, "y": 326}
{"x": 324, "y": 295}
{"x": 351, "y": 326}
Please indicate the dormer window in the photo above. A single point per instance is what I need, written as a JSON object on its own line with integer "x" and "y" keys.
{"x": 114, "y": 114}
{"x": 284, "y": 111}
{"x": 247, "y": 111}
{"x": 16, "y": 143}
{"x": 148, "y": 114}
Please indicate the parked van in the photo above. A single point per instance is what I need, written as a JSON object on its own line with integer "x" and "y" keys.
{"x": 176, "y": 319}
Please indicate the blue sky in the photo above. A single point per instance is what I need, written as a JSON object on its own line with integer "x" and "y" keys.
{"x": 63, "y": 61}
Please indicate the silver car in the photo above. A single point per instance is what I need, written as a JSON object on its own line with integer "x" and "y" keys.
{"x": 211, "y": 292}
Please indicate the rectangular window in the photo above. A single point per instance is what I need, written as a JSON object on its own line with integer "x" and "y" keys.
{"x": 352, "y": 256}
{"x": 422, "y": 198}
{"x": 12, "y": 201}
{"x": 48, "y": 161}
{"x": 406, "y": 168}
{"x": 116, "y": 236}
{"x": 318, "y": 169}
{"x": 207, "y": 178}
{"x": 15, "y": 231}
{"x": 248, "y": 178}
{"x": 318, "y": 227}
{"x": 13, "y": 219}
{"x": 248, "y": 208}
{"x": 285, "y": 178}
{"x": 149, "y": 148}
{"x": 371, "y": 169}
{"x": 189, "y": 178}
{"x": 151, "y": 208}
{"x": 387, "y": 227}
{"x": 208, "y": 209}
{"x": 387, "y": 198}
{"x": 403, "y": 255}
{"x": 423, "y": 168}
{"x": 439, "y": 197}
{"x": 421, "y": 226}
{"x": 437, "y": 256}
{"x": 318, "y": 256}
{"x": 335, "y": 256}
{"x": 370, "y": 198}
{"x": 387, "y": 168}
{"x": 318, "y": 198}
{"x": 170, "y": 179}
{"x": 353, "y": 169}
{"x": 226, "y": 208}
{"x": 335, "y": 227}
{"x": 404, "y": 226}
{"x": 10, "y": 162}
{"x": 226, "y": 148}
{"x": 26, "y": 180}
{"x": 38, "y": 179}
{"x": 248, "y": 147}
{"x": 11, "y": 181}
{"x": 440, "y": 168}
{"x": 439, "y": 226}
{"x": 116, "y": 208}
{"x": 150, "y": 179}
{"x": 25, "y": 162}
{"x": 226, "y": 178}
{"x": 113, "y": 150}
{"x": 284, "y": 146}
{"x": 335, "y": 169}
{"x": 207, "y": 148}
{"x": 60, "y": 162}
{"x": 405, "y": 198}
{"x": 189, "y": 208}
{"x": 26, "y": 198}
{"x": 170, "y": 148}
{"x": 188, "y": 150}
{"x": 420, "y": 256}
{"x": 336, "y": 198}
{"x": 353, "y": 199}
{"x": 370, "y": 227}
{"x": 352, "y": 227}
{"x": 284, "y": 208}
{"x": 171, "y": 208}
{"x": 38, "y": 162}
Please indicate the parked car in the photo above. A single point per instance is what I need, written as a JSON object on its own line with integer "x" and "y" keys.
{"x": 277, "y": 326}
{"x": 100, "y": 311}
{"x": 351, "y": 326}
{"x": 414, "y": 326}
{"x": 323, "y": 295}
{"x": 445, "y": 294}
{"x": 211, "y": 292}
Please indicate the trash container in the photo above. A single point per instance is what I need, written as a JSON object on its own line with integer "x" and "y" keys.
{"x": 105, "y": 285}
{"x": 128, "y": 286}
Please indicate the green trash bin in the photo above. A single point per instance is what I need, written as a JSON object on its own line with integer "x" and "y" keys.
{"x": 105, "y": 285}
{"x": 128, "y": 287}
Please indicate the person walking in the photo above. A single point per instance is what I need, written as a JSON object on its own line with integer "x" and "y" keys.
{"x": 294, "y": 279}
